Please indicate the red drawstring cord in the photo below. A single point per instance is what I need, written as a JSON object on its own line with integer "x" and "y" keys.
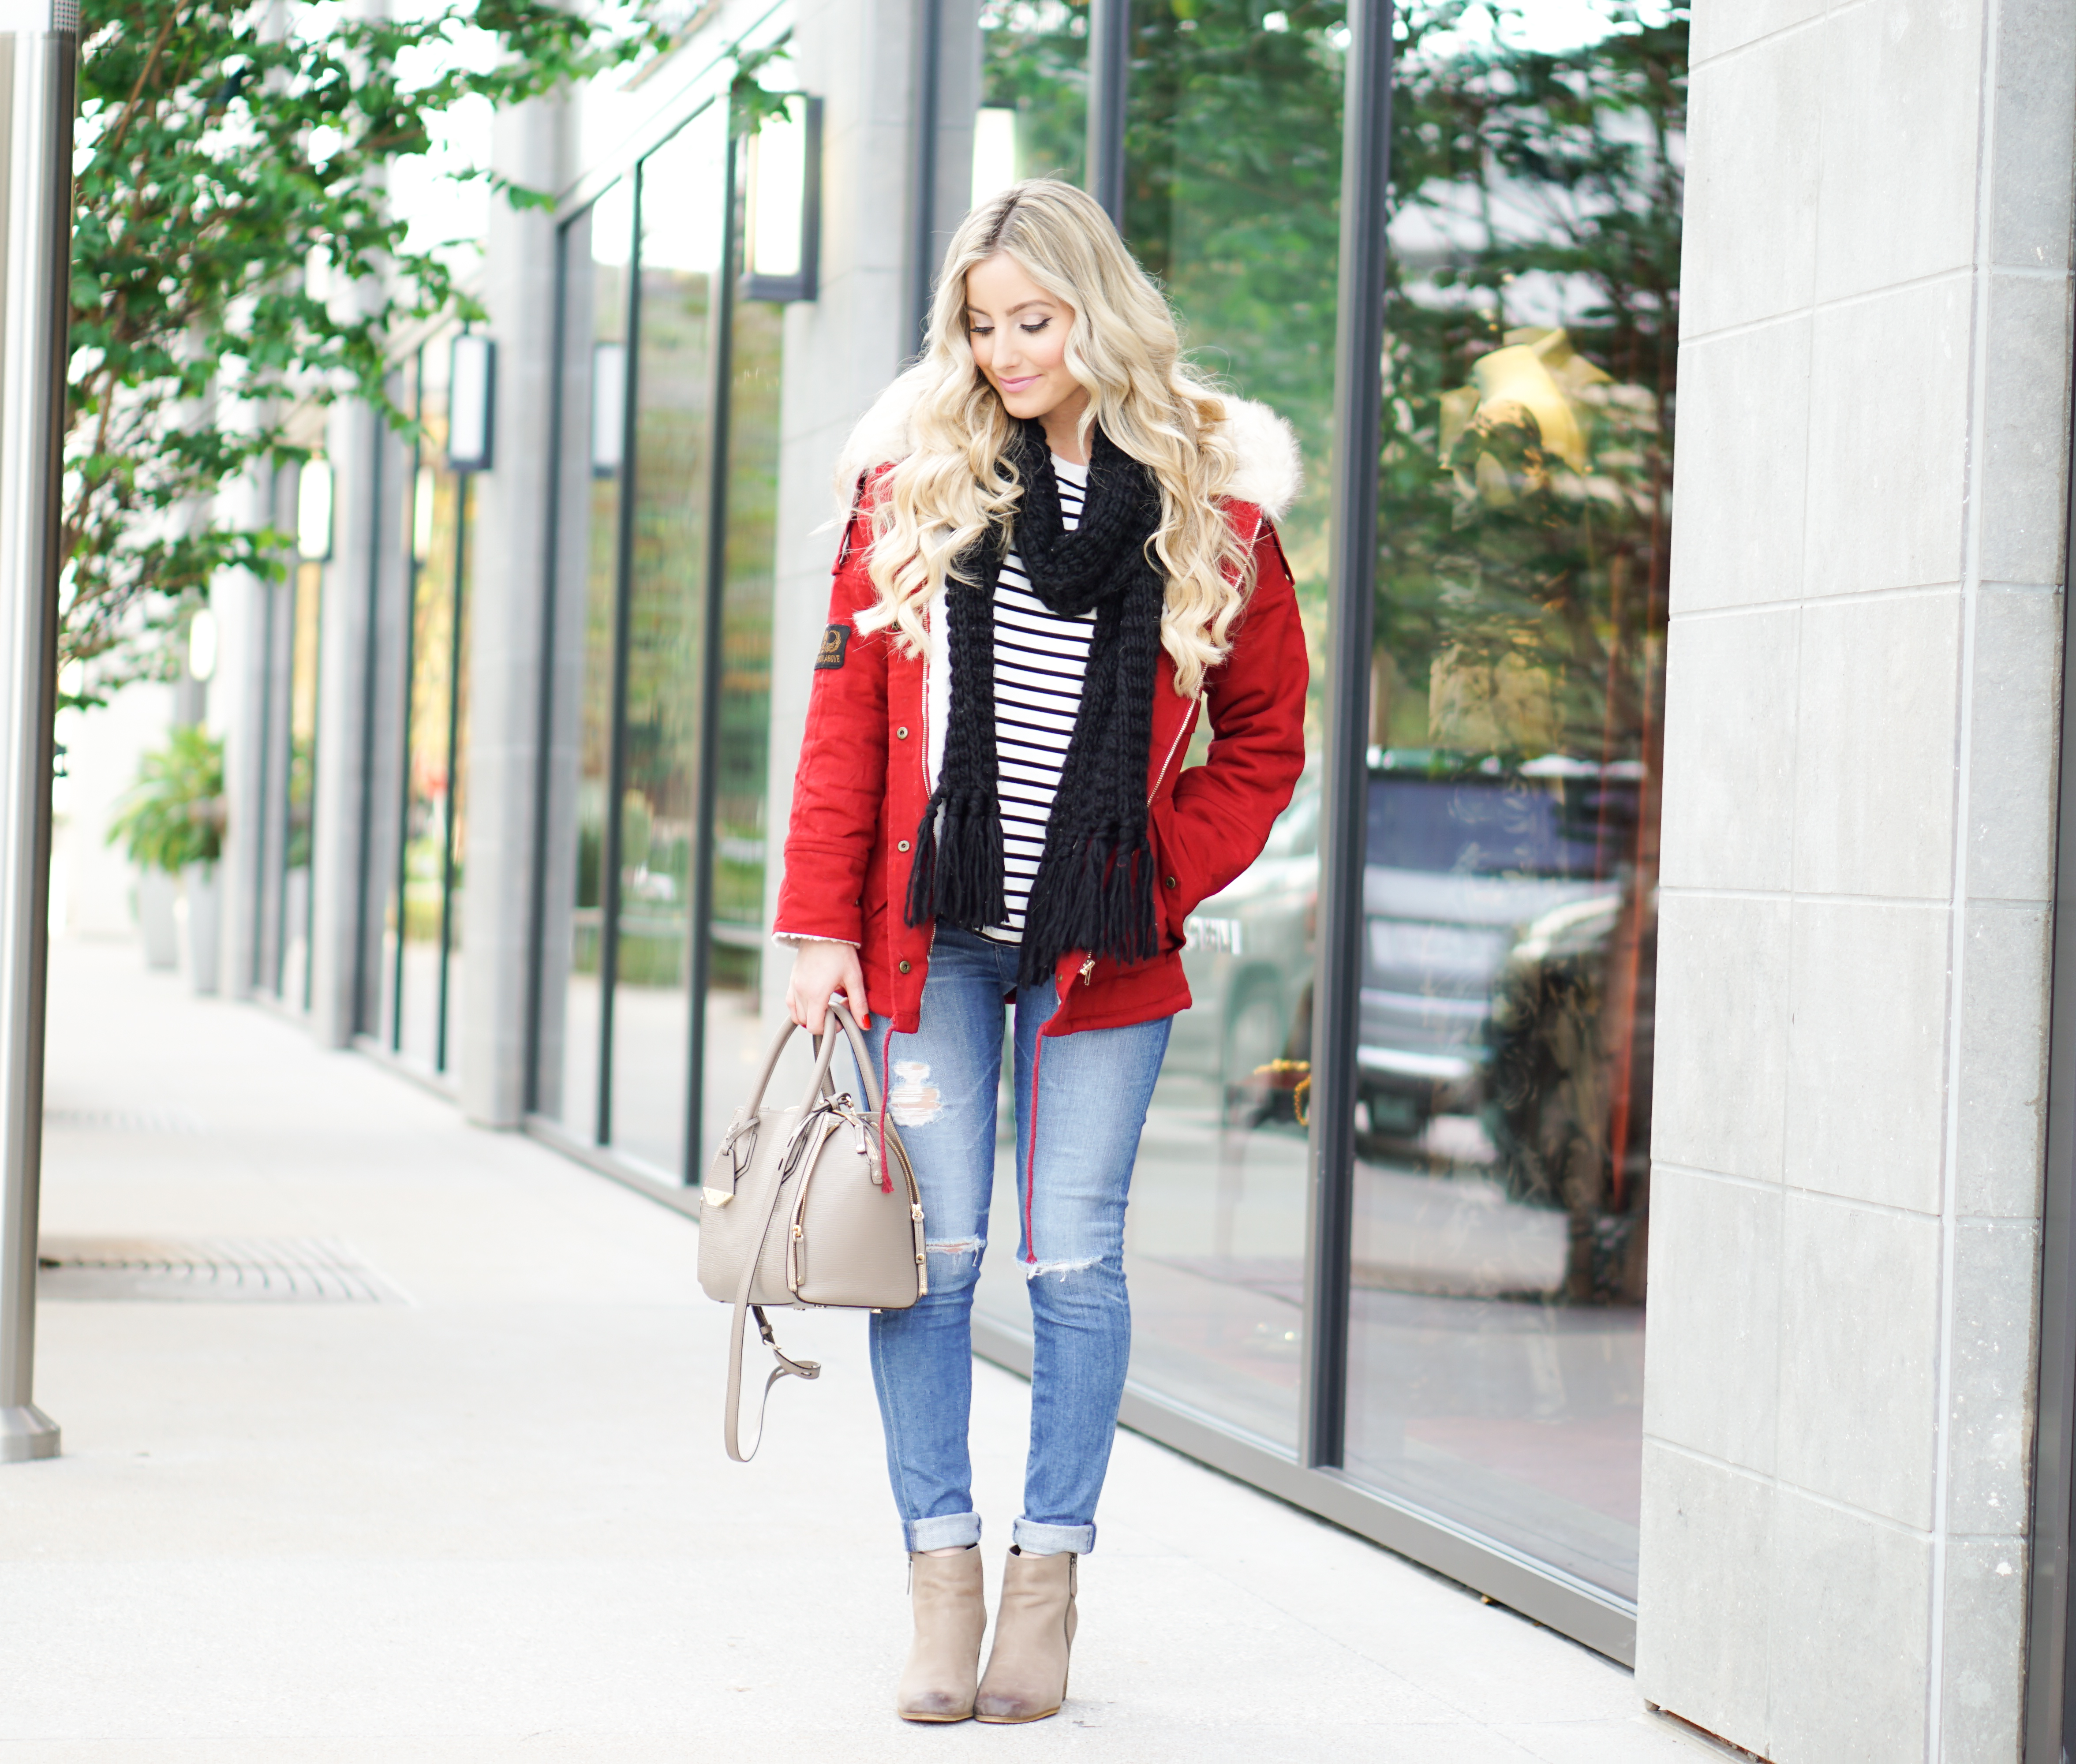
{"x": 886, "y": 1055}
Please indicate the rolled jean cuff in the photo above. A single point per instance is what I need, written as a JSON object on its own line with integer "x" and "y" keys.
{"x": 947, "y": 1531}
{"x": 1036, "y": 1540}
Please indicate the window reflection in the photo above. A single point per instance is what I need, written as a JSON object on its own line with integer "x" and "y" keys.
{"x": 1033, "y": 120}
{"x": 292, "y": 980}
{"x": 597, "y": 254}
{"x": 681, "y": 197}
{"x": 630, "y": 820}
{"x": 1232, "y": 168}
{"x": 1508, "y": 935}
{"x": 423, "y": 923}
{"x": 734, "y": 1038}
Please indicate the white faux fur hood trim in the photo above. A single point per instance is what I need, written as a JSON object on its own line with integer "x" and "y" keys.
{"x": 1270, "y": 473}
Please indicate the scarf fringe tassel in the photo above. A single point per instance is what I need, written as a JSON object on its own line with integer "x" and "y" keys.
{"x": 1097, "y": 899}
{"x": 957, "y": 872}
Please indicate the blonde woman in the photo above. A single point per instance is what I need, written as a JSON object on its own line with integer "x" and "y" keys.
{"x": 1060, "y": 555}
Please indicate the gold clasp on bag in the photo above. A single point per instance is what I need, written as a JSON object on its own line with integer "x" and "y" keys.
{"x": 739, "y": 1146}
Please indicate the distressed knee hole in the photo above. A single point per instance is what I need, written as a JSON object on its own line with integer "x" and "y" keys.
{"x": 913, "y": 1100}
{"x": 961, "y": 1245}
{"x": 1037, "y": 1270}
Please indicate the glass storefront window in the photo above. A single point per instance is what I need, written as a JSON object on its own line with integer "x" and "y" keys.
{"x": 1232, "y": 164}
{"x": 1496, "y": 1330}
{"x": 735, "y": 1037}
{"x": 292, "y": 977}
{"x": 422, "y": 971}
{"x": 1033, "y": 120}
{"x": 597, "y": 254}
{"x": 652, "y": 925}
{"x": 680, "y": 193}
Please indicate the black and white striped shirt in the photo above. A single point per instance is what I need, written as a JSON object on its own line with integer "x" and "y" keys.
{"x": 1040, "y": 660}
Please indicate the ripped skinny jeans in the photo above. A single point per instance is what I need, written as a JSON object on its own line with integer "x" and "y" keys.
{"x": 1081, "y": 1103}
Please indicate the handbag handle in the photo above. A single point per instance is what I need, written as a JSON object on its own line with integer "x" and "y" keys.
{"x": 825, "y": 1044}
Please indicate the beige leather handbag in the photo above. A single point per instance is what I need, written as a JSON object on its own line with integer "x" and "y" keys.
{"x": 811, "y": 1205}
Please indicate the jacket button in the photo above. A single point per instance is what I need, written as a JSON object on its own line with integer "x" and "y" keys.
{"x": 901, "y": 734}
{"x": 904, "y": 967}
{"x": 903, "y": 846}
{"x": 1171, "y": 882}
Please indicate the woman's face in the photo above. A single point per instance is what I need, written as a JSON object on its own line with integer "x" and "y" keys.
{"x": 1019, "y": 333}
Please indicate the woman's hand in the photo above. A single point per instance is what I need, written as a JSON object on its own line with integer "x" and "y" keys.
{"x": 819, "y": 970}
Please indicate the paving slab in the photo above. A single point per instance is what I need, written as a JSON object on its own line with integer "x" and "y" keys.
{"x": 491, "y": 1517}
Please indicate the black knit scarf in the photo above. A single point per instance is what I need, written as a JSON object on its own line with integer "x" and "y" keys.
{"x": 1094, "y": 886}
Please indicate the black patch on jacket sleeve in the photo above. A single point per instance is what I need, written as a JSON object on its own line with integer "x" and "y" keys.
{"x": 836, "y": 639}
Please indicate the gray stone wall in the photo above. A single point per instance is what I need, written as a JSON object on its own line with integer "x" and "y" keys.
{"x": 1862, "y": 689}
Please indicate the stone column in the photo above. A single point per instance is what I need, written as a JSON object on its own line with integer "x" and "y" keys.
{"x": 1863, "y": 697}
{"x": 507, "y": 585}
{"x": 369, "y": 466}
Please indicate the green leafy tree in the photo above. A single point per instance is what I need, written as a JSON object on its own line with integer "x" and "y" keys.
{"x": 1524, "y": 504}
{"x": 1232, "y": 184}
{"x": 1034, "y": 61}
{"x": 235, "y": 252}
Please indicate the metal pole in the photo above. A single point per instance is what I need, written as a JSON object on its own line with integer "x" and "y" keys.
{"x": 1109, "y": 67}
{"x": 457, "y": 608}
{"x": 623, "y": 645}
{"x": 713, "y": 636}
{"x": 1352, "y": 579}
{"x": 38, "y": 65}
{"x": 923, "y": 218}
{"x": 544, "y": 753}
{"x": 359, "y": 1018}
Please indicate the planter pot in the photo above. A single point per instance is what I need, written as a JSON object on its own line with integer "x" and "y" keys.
{"x": 205, "y": 893}
{"x": 156, "y": 894}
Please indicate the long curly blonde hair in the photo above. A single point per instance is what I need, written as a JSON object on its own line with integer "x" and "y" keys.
{"x": 1122, "y": 345}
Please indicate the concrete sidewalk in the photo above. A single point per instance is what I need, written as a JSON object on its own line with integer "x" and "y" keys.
{"x": 492, "y": 1519}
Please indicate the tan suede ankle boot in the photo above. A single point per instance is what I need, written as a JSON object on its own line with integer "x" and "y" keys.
{"x": 1034, "y": 1632}
{"x": 944, "y": 1660}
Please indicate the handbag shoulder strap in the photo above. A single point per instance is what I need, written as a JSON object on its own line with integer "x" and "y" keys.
{"x": 786, "y": 1367}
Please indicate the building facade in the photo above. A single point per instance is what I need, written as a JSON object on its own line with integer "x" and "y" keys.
{"x": 1613, "y": 1155}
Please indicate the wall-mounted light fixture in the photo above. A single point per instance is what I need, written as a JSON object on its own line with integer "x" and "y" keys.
{"x": 471, "y": 403}
{"x": 994, "y": 151}
{"x": 609, "y": 408}
{"x": 313, "y": 511}
{"x": 782, "y": 254}
{"x": 201, "y": 644}
{"x": 423, "y": 490}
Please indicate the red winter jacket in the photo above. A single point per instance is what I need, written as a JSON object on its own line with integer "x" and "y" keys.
{"x": 864, "y": 780}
